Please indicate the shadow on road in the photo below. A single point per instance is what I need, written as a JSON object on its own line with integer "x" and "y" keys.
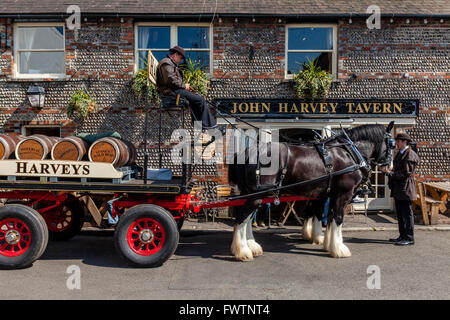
{"x": 97, "y": 249}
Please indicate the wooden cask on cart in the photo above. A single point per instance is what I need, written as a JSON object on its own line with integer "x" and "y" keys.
{"x": 35, "y": 147}
{"x": 70, "y": 148}
{"x": 8, "y": 144}
{"x": 112, "y": 150}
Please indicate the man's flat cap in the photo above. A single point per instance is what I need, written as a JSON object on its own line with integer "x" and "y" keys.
{"x": 179, "y": 50}
{"x": 403, "y": 136}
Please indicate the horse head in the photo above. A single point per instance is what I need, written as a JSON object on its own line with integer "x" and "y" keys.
{"x": 385, "y": 153}
{"x": 375, "y": 141}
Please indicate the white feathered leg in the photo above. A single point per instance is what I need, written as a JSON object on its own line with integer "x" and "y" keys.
{"x": 254, "y": 246}
{"x": 239, "y": 247}
{"x": 317, "y": 234}
{"x": 337, "y": 247}
{"x": 307, "y": 229}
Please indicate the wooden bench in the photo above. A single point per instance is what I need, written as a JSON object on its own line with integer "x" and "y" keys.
{"x": 428, "y": 205}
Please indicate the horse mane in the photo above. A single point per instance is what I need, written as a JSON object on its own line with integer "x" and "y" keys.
{"x": 369, "y": 132}
{"x": 374, "y": 133}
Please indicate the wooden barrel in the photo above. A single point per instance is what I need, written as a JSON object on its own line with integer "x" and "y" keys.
{"x": 35, "y": 147}
{"x": 111, "y": 150}
{"x": 132, "y": 153}
{"x": 70, "y": 148}
{"x": 8, "y": 144}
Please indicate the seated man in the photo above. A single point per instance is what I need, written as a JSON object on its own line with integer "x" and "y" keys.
{"x": 169, "y": 81}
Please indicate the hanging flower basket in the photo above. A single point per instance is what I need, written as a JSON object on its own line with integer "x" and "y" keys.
{"x": 82, "y": 104}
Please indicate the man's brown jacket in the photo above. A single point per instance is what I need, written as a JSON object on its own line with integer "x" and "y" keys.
{"x": 169, "y": 77}
{"x": 401, "y": 179}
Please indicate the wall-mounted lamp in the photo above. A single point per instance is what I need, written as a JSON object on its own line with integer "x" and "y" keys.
{"x": 36, "y": 96}
{"x": 251, "y": 51}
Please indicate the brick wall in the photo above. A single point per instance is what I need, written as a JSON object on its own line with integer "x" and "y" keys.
{"x": 399, "y": 61}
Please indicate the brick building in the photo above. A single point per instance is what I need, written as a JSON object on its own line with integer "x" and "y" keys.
{"x": 249, "y": 49}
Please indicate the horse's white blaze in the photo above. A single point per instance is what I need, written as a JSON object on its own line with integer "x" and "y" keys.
{"x": 337, "y": 248}
{"x": 254, "y": 246}
{"x": 239, "y": 247}
{"x": 307, "y": 229}
{"x": 326, "y": 240}
{"x": 317, "y": 234}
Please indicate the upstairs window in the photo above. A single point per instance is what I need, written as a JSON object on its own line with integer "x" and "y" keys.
{"x": 39, "y": 50}
{"x": 159, "y": 38}
{"x": 314, "y": 43}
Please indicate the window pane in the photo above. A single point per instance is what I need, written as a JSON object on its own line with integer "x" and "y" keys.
{"x": 153, "y": 37}
{"x": 41, "y": 38}
{"x": 193, "y": 37}
{"x": 310, "y": 38}
{"x": 200, "y": 57}
{"x": 42, "y": 62}
{"x": 297, "y": 59}
{"x": 143, "y": 57}
{"x": 381, "y": 178}
{"x": 380, "y": 192}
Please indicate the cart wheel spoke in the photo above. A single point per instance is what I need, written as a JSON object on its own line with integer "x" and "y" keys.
{"x": 145, "y": 236}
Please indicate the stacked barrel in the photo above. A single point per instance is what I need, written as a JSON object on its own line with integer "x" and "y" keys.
{"x": 112, "y": 150}
{"x": 35, "y": 147}
{"x": 8, "y": 144}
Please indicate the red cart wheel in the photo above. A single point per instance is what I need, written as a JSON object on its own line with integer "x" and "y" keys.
{"x": 23, "y": 236}
{"x": 15, "y": 237}
{"x": 146, "y": 235}
{"x": 65, "y": 221}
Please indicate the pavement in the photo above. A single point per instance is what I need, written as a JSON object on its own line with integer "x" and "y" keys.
{"x": 357, "y": 222}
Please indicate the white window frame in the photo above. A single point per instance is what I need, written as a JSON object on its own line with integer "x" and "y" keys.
{"x": 174, "y": 39}
{"x": 312, "y": 25}
{"x": 16, "y": 70}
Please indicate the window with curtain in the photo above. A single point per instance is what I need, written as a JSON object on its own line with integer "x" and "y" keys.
{"x": 159, "y": 39}
{"x": 310, "y": 44}
{"x": 40, "y": 50}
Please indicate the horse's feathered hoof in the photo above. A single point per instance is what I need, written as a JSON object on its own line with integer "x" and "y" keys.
{"x": 307, "y": 229}
{"x": 244, "y": 254}
{"x": 256, "y": 249}
{"x": 318, "y": 240}
{"x": 342, "y": 251}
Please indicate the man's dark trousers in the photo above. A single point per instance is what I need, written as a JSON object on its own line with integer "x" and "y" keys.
{"x": 199, "y": 108}
{"x": 405, "y": 217}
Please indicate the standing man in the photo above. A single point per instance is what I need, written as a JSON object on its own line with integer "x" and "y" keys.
{"x": 403, "y": 188}
{"x": 170, "y": 82}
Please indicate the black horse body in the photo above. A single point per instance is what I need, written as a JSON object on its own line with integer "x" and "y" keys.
{"x": 304, "y": 163}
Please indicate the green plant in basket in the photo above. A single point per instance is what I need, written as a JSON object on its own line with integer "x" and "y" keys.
{"x": 140, "y": 82}
{"x": 311, "y": 81}
{"x": 195, "y": 76}
{"x": 82, "y": 103}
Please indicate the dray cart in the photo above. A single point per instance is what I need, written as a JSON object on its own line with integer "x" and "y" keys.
{"x": 41, "y": 206}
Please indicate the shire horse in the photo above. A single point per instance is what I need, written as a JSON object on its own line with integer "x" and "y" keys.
{"x": 373, "y": 142}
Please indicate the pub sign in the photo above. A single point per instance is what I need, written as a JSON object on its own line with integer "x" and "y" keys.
{"x": 332, "y": 108}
